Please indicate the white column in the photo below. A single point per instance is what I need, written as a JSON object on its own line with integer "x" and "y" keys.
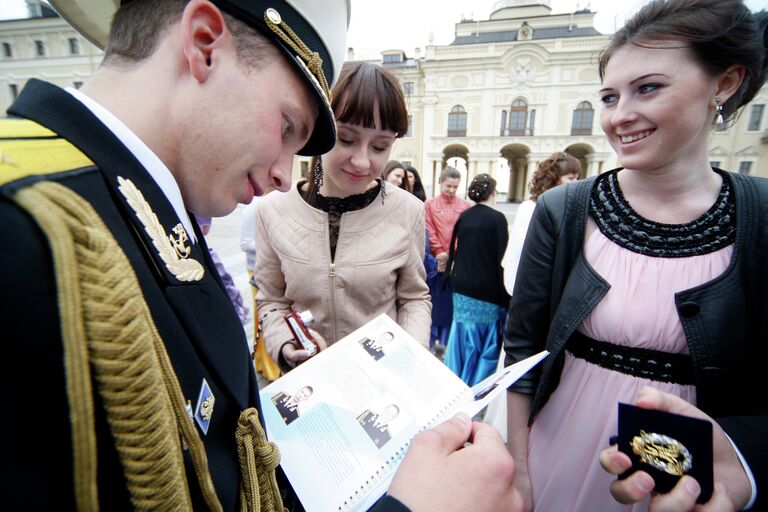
{"x": 593, "y": 165}
{"x": 533, "y": 164}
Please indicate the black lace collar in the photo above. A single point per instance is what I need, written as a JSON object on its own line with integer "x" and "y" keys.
{"x": 339, "y": 205}
{"x": 347, "y": 204}
{"x": 617, "y": 220}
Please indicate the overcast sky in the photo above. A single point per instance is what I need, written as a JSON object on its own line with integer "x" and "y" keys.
{"x": 407, "y": 24}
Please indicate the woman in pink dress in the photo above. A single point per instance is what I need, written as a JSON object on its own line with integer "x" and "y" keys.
{"x": 651, "y": 274}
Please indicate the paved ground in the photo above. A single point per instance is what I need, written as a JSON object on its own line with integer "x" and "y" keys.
{"x": 224, "y": 237}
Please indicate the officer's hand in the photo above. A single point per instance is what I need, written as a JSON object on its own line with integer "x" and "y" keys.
{"x": 732, "y": 487}
{"x": 440, "y": 473}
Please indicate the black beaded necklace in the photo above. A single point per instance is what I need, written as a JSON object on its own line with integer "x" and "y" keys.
{"x": 616, "y": 219}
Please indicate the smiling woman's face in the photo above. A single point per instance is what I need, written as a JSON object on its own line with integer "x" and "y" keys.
{"x": 356, "y": 160}
{"x": 658, "y": 106}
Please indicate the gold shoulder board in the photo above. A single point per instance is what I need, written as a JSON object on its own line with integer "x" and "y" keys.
{"x": 30, "y": 149}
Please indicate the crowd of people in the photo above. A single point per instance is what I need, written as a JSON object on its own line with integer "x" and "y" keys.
{"x": 647, "y": 284}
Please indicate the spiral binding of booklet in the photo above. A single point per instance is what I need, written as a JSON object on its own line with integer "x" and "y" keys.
{"x": 393, "y": 462}
{"x": 385, "y": 470}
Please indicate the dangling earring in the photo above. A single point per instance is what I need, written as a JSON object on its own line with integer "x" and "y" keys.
{"x": 383, "y": 188}
{"x": 718, "y": 113}
{"x": 317, "y": 172}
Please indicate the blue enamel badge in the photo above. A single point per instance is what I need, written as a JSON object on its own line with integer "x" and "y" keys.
{"x": 204, "y": 408}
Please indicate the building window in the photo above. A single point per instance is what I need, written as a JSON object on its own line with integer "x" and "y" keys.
{"x": 756, "y": 118}
{"x": 518, "y": 117}
{"x": 77, "y": 84}
{"x": 457, "y": 122}
{"x": 408, "y": 88}
{"x": 581, "y": 124}
{"x": 74, "y": 46}
{"x": 409, "y": 131}
{"x": 39, "y": 48}
{"x": 745, "y": 167}
{"x": 7, "y": 50}
{"x": 304, "y": 168}
{"x": 14, "y": 90}
{"x": 715, "y": 163}
{"x": 503, "y": 130}
{"x": 394, "y": 57}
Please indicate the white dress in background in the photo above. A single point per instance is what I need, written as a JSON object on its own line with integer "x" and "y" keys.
{"x": 496, "y": 414}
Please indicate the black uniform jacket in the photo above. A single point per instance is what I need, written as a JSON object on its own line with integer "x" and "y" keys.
{"x": 196, "y": 320}
{"x": 725, "y": 320}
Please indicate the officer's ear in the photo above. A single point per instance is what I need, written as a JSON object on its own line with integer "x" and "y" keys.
{"x": 203, "y": 31}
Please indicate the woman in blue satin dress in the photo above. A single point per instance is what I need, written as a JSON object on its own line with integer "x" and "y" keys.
{"x": 479, "y": 299}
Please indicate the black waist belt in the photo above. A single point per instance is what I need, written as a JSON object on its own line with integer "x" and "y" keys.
{"x": 639, "y": 362}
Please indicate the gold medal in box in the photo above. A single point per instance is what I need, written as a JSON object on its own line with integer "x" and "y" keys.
{"x": 667, "y": 446}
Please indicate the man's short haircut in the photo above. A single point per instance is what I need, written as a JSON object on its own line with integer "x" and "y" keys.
{"x": 450, "y": 173}
{"x": 138, "y": 26}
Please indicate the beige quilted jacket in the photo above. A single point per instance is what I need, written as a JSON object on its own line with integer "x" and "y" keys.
{"x": 378, "y": 266}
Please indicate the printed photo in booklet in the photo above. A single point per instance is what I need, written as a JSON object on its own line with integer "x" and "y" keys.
{"x": 344, "y": 419}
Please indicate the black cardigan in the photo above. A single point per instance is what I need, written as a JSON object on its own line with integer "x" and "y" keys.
{"x": 475, "y": 261}
{"x": 725, "y": 320}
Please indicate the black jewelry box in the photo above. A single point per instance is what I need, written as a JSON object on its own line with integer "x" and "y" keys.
{"x": 667, "y": 446}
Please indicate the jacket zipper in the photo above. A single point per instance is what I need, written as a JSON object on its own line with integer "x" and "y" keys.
{"x": 332, "y": 288}
{"x": 332, "y": 283}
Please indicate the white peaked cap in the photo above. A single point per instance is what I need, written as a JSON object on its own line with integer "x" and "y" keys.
{"x": 320, "y": 26}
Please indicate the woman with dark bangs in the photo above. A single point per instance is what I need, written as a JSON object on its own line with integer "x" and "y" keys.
{"x": 344, "y": 244}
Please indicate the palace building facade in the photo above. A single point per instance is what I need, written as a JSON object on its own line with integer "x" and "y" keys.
{"x": 505, "y": 94}
{"x": 511, "y": 90}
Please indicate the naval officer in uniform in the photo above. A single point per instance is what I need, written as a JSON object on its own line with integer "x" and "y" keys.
{"x": 377, "y": 425}
{"x": 375, "y": 347}
{"x": 137, "y": 390}
{"x": 288, "y": 405}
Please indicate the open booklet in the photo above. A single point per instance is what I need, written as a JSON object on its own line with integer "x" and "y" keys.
{"x": 344, "y": 419}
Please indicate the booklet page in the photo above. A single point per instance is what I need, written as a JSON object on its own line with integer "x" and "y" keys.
{"x": 343, "y": 420}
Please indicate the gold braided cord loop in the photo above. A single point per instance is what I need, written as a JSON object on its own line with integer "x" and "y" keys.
{"x": 188, "y": 431}
{"x": 76, "y": 365}
{"x": 105, "y": 322}
{"x": 258, "y": 460}
{"x": 312, "y": 59}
